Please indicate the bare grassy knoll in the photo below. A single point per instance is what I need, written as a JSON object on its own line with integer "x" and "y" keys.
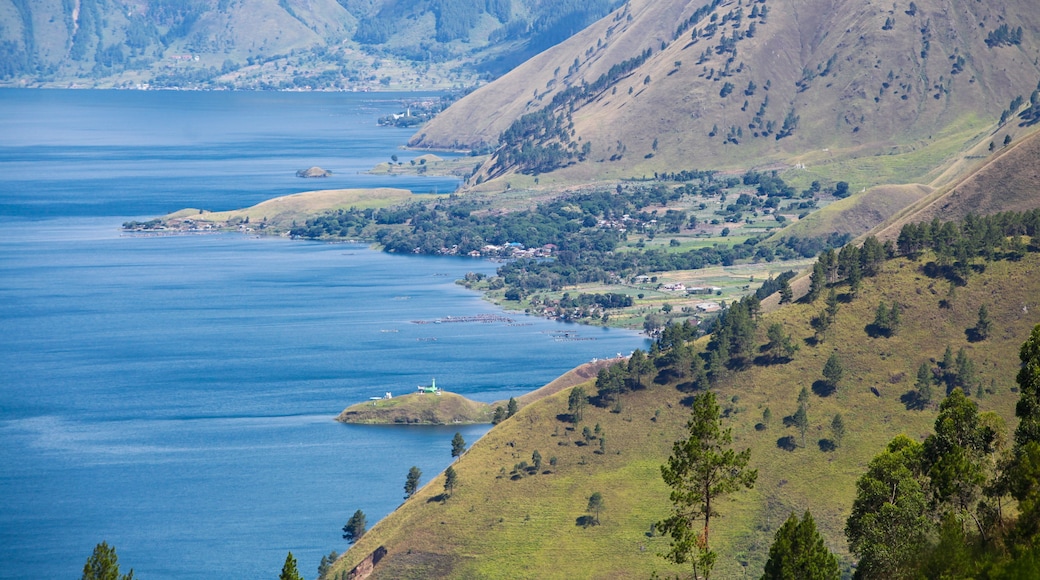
{"x": 280, "y": 213}
{"x": 449, "y": 408}
{"x": 507, "y": 521}
{"x": 418, "y": 409}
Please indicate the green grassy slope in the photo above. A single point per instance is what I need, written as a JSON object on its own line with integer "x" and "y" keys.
{"x": 498, "y": 526}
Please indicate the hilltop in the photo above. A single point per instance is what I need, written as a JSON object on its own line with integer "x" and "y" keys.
{"x": 504, "y": 519}
{"x": 446, "y": 408}
{"x": 871, "y": 93}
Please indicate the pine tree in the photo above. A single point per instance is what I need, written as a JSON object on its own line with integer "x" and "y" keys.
{"x": 512, "y": 407}
{"x": 451, "y": 479}
{"x": 702, "y": 469}
{"x": 923, "y": 386}
{"x": 355, "y": 527}
{"x": 103, "y": 564}
{"x": 289, "y": 571}
{"x": 984, "y": 324}
{"x": 833, "y": 371}
{"x": 576, "y": 403}
{"x": 817, "y": 281}
{"x": 801, "y": 421}
{"x": 458, "y": 445}
{"x": 786, "y": 294}
{"x": 411, "y": 483}
{"x": 798, "y": 553}
{"x": 595, "y": 505}
{"x": 838, "y": 428}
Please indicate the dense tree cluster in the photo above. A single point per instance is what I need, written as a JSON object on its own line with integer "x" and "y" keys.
{"x": 541, "y": 141}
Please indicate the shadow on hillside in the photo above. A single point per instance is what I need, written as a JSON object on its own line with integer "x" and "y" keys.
{"x": 912, "y": 401}
{"x": 787, "y": 443}
{"x": 822, "y": 388}
{"x": 827, "y": 446}
{"x": 974, "y": 335}
{"x": 585, "y": 521}
{"x": 876, "y": 331}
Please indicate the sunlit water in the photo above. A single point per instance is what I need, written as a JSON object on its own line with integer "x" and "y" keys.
{"x": 175, "y": 396}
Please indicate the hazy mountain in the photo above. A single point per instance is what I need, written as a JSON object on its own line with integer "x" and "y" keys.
{"x": 404, "y": 44}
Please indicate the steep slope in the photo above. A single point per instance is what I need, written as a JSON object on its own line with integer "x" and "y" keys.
{"x": 504, "y": 521}
{"x": 736, "y": 84}
{"x": 1010, "y": 182}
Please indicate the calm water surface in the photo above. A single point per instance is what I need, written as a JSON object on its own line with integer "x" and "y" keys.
{"x": 175, "y": 396}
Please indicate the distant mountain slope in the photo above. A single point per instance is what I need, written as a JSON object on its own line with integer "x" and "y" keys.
{"x": 734, "y": 84}
{"x": 359, "y": 44}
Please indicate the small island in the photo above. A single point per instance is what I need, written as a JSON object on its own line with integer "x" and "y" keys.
{"x": 313, "y": 172}
{"x": 431, "y": 405}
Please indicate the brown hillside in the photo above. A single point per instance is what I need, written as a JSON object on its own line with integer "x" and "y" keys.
{"x": 1011, "y": 182}
{"x": 861, "y": 78}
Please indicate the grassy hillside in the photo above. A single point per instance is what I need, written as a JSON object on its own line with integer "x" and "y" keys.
{"x": 1006, "y": 183}
{"x": 504, "y": 524}
{"x": 867, "y": 92}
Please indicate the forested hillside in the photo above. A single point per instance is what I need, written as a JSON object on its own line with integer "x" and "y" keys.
{"x": 890, "y": 338}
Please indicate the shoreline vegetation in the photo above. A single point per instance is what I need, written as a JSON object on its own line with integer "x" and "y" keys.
{"x": 446, "y": 408}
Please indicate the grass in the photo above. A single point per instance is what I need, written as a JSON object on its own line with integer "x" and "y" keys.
{"x": 495, "y": 526}
{"x": 414, "y": 408}
{"x": 281, "y": 212}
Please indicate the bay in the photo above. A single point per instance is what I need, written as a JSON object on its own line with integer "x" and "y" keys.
{"x": 175, "y": 396}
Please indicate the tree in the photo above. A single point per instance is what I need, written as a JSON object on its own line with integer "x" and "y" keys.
{"x": 512, "y": 407}
{"x": 536, "y": 460}
{"x": 289, "y": 571}
{"x": 833, "y": 371}
{"x": 639, "y": 364}
{"x": 458, "y": 445}
{"x": 595, "y": 505}
{"x": 103, "y": 564}
{"x": 817, "y": 281}
{"x": 984, "y": 324}
{"x": 499, "y": 416}
{"x": 451, "y": 479}
{"x": 355, "y": 527}
{"x": 786, "y": 294}
{"x": 955, "y": 455}
{"x": 780, "y": 345}
{"x": 801, "y": 421}
{"x": 889, "y": 525}
{"x": 325, "y": 566}
{"x": 923, "y": 386}
{"x": 838, "y": 428}
{"x": 798, "y": 553}
{"x": 701, "y": 470}
{"x": 411, "y": 484}
{"x": 576, "y": 403}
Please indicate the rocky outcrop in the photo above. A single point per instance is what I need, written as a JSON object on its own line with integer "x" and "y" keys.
{"x": 365, "y": 567}
{"x": 313, "y": 172}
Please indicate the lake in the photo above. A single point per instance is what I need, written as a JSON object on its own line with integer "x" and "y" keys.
{"x": 175, "y": 396}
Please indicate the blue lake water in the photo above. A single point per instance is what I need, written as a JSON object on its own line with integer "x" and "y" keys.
{"x": 175, "y": 396}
